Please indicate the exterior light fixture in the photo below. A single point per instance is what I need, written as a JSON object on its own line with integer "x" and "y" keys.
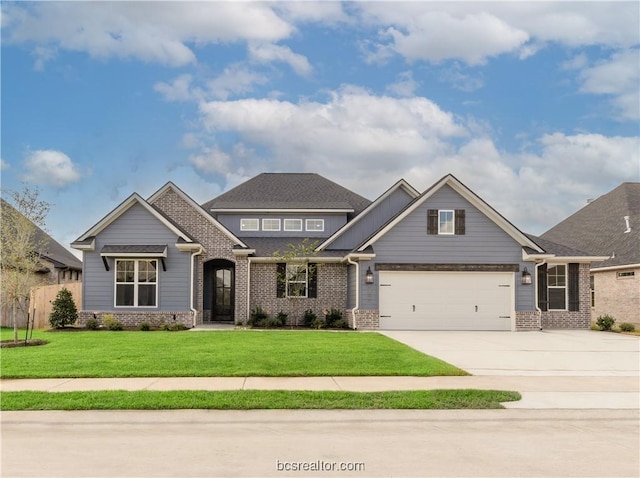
{"x": 368, "y": 278}
{"x": 526, "y": 277}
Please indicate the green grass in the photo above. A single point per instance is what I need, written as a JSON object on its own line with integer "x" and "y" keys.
{"x": 255, "y": 399}
{"x": 220, "y": 353}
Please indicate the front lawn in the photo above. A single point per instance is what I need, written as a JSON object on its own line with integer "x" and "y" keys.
{"x": 256, "y": 399}
{"x": 237, "y": 353}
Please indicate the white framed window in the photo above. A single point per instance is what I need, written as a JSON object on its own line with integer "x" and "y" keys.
{"x": 293, "y": 224}
{"x": 446, "y": 221}
{"x": 592, "y": 286}
{"x": 271, "y": 224}
{"x": 625, "y": 274}
{"x": 557, "y": 287}
{"x": 136, "y": 283}
{"x": 297, "y": 280}
{"x": 314, "y": 225}
{"x": 249, "y": 225}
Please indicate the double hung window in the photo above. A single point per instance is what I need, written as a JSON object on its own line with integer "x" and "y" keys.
{"x": 136, "y": 283}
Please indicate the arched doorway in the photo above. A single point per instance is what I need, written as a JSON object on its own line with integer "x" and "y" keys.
{"x": 219, "y": 291}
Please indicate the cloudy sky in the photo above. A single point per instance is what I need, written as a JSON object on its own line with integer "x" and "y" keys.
{"x": 535, "y": 106}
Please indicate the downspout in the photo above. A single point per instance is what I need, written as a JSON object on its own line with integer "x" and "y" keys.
{"x": 248, "y": 290}
{"x": 194, "y": 312}
{"x": 355, "y": 309}
{"x": 544, "y": 261}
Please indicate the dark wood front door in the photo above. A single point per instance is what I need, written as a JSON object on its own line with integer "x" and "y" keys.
{"x": 223, "y": 293}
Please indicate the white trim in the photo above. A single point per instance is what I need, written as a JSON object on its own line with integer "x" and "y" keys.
{"x": 306, "y": 225}
{"x": 565, "y": 286}
{"x": 579, "y": 259}
{"x": 275, "y": 260}
{"x": 85, "y": 247}
{"x": 188, "y": 246}
{"x": 282, "y": 210}
{"x": 613, "y": 268}
{"x": 192, "y": 307}
{"x": 453, "y": 222}
{"x": 198, "y": 208}
{"x": 135, "y": 284}
{"x": 245, "y": 229}
{"x": 470, "y": 196}
{"x": 295, "y": 220}
{"x": 142, "y": 255}
{"x": 401, "y": 184}
{"x": 272, "y": 229}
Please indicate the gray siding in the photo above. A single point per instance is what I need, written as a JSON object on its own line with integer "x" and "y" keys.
{"x": 374, "y": 219}
{"x": 332, "y": 222}
{"x": 483, "y": 243}
{"x": 136, "y": 226}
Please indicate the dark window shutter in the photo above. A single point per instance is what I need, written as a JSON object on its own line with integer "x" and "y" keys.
{"x": 432, "y": 221}
{"x": 312, "y": 274}
{"x": 543, "y": 298}
{"x": 574, "y": 287}
{"x": 281, "y": 280}
{"x": 460, "y": 222}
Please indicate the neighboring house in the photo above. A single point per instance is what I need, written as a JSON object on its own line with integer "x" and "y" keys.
{"x": 443, "y": 259}
{"x": 609, "y": 225}
{"x": 57, "y": 265}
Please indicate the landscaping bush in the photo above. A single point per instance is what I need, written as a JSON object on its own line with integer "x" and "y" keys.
{"x": 309, "y": 318}
{"x": 144, "y": 326}
{"x": 111, "y": 322}
{"x": 175, "y": 327}
{"x": 257, "y": 316}
{"x": 64, "y": 310}
{"x": 605, "y": 322}
{"x": 282, "y": 319}
{"x": 627, "y": 327}
{"x": 331, "y": 317}
{"x": 340, "y": 324}
{"x": 92, "y": 324}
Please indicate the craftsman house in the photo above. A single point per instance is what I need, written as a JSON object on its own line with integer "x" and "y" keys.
{"x": 439, "y": 260}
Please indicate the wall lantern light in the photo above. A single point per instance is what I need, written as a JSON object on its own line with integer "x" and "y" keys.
{"x": 526, "y": 277}
{"x": 368, "y": 278}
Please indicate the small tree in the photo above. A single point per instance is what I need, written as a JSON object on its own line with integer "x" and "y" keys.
{"x": 297, "y": 258}
{"x": 20, "y": 250}
{"x": 64, "y": 310}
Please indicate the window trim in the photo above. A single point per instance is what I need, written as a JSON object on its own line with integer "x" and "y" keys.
{"x": 269, "y": 229}
{"x": 243, "y": 227}
{"x": 290, "y": 221}
{"x": 453, "y": 222}
{"x": 135, "y": 283}
{"x": 625, "y": 274}
{"x": 288, "y": 280}
{"x": 320, "y": 222}
{"x": 565, "y": 286}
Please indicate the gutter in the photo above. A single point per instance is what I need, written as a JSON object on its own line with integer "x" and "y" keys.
{"x": 355, "y": 309}
{"x": 544, "y": 261}
{"x": 194, "y": 312}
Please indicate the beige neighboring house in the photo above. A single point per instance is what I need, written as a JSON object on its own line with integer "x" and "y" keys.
{"x": 609, "y": 225}
{"x": 58, "y": 266}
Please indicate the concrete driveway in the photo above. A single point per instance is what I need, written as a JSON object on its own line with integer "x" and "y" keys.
{"x": 550, "y": 368}
{"x": 544, "y": 353}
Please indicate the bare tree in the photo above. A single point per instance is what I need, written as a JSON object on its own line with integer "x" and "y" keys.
{"x": 21, "y": 248}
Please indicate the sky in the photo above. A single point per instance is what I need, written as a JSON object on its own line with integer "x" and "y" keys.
{"x": 535, "y": 106}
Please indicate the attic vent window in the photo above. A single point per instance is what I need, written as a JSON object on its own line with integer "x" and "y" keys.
{"x": 626, "y": 221}
{"x": 626, "y": 274}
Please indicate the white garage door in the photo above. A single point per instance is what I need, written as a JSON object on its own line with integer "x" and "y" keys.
{"x": 446, "y": 300}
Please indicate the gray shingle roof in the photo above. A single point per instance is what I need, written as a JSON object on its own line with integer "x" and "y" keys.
{"x": 289, "y": 191}
{"x": 54, "y": 251}
{"x": 266, "y": 246}
{"x": 599, "y": 227}
{"x": 551, "y": 247}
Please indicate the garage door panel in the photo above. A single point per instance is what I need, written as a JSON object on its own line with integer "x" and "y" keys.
{"x": 445, "y": 300}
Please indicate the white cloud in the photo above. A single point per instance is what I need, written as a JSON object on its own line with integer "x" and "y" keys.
{"x": 156, "y": 32}
{"x": 212, "y": 160}
{"x": 618, "y": 77}
{"x": 179, "y": 89}
{"x": 458, "y": 79}
{"x": 50, "y": 167}
{"x": 4, "y": 165}
{"x": 268, "y": 53}
{"x": 404, "y": 86}
{"x": 236, "y": 79}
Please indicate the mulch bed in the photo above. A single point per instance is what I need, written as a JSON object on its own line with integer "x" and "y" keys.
{"x": 22, "y": 343}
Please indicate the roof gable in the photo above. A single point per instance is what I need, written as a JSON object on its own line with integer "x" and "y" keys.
{"x": 609, "y": 225}
{"x": 288, "y": 191}
{"x": 467, "y": 194}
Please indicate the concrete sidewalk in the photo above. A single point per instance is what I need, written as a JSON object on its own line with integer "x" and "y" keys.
{"x": 577, "y": 392}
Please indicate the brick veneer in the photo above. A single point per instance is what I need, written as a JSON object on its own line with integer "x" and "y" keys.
{"x": 132, "y": 319}
{"x": 332, "y": 291}
{"x": 216, "y": 245}
{"x": 366, "y": 319}
{"x": 581, "y": 319}
{"x": 527, "y": 320}
{"x": 617, "y": 296}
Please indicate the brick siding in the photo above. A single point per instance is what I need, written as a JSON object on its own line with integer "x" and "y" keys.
{"x": 135, "y": 318}
{"x": 527, "y": 320}
{"x": 581, "y": 319}
{"x": 616, "y": 296}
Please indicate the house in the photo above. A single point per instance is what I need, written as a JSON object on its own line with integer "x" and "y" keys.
{"x": 609, "y": 225}
{"x": 441, "y": 259}
{"x": 57, "y": 265}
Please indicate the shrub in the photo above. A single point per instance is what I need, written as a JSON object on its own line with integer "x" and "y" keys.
{"x": 144, "y": 326}
{"x": 318, "y": 323}
{"x": 309, "y": 318}
{"x": 340, "y": 324}
{"x": 332, "y": 316}
{"x": 282, "y": 319}
{"x": 92, "y": 324}
{"x": 627, "y": 327}
{"x": 111, "y": 322}
{"x": 257, "y": 316}
{"x": 64, "y": 310}
{"x": 174, "y": 327}
{"x": 605, "y": 322}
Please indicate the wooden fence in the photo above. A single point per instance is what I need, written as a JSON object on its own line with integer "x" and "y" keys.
{"x": 42, "y": 298}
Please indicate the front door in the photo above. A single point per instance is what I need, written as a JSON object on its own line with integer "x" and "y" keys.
{"x": 223, "y": 294}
